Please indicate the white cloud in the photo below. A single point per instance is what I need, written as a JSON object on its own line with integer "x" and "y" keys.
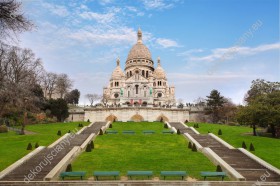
{"x": 105, "y": 36}
{"x": 221, "y": 54}
{"x": 167, "y": 43}
{"x": 189, "y": 52}
{"x": 101, "y": 18}
{"x": 157, "y": 4}
{"x": 56, "y": 9}
{"x": 131, "y": 8}
{"x": 105, "y": 2}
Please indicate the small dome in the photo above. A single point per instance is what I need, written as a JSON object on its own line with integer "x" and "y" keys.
{"x": 139, "y": 50}
{"x": 159, "y": 73}
{"x": 117, "y": 73}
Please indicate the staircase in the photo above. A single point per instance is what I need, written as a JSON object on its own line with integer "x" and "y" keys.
{"x": 32, "y": 166}
{"x": 250, "y": 169}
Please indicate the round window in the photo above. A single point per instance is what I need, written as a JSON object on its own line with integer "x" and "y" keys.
{"x": 159, "y": 95}
{"x": 116, "y": 95}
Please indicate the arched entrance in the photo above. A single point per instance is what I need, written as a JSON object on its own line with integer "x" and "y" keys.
{"x": 162, "y": 118}
{"x": 111, "y": 118}
{"x": 144, "y": 104}
{"x": 137, "y": 118}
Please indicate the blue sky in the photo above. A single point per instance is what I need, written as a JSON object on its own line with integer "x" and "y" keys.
{"x": 203, "y": 44}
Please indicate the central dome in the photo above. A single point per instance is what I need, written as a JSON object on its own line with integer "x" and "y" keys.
{"x": 139, "y": 50}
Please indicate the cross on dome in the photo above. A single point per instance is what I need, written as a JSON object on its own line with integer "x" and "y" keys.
{"x": 139, "y": 34}
{"x": 118, "y": 61}
{"x": 158, "y": 61}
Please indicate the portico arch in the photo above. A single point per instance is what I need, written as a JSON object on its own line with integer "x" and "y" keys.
{"x": 137, "y": 118}
{"x": 111, "y": 118}
{"x": 163, "y": 118}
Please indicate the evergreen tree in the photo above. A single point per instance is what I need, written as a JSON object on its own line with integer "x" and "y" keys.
{"x": 214, "y": 102}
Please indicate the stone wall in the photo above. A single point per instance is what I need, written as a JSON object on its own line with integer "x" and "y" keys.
{"x": 138, "y": 113}
{"x": 76, "y": 116}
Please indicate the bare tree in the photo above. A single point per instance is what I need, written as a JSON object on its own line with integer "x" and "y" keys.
{"x": 48, "y": 83}
{"x": 105, "y": 98}
{"x": 12, "y": 20}
{"x": 19, "y": 76}
{"x": 200, "y": 101}
{"x": 92, "y": 98}
{"x": 63, "y": 84}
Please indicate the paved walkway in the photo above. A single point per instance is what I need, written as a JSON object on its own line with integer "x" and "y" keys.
{"x": 247, "y": 167}
{"x": 29, "y": 166}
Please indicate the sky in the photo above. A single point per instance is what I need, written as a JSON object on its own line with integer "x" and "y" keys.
{"x": 203, "y": 44}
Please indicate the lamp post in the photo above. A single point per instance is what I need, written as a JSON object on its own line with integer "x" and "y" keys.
{"x": 24, "y": 117}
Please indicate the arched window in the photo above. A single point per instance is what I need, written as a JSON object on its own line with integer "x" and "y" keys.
{"x": 143, "y": 73}
{"x": 127, "y": 75}
{"x": 145, "y": 93}
{"x": 130, "y": 73}
{"x": 147, "y": 74}
{"x": 128, "y": 93}
{"x": 136, "y": 88}
{"x": 155, "y": 84}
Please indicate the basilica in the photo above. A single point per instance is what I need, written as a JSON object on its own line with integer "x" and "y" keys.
{"x": 140, "y": 84}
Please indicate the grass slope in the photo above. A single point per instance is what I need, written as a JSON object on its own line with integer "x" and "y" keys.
{"x": 13, "y": 146}
{"x": 156, "y": 152}
{"x": 266, "y": 148}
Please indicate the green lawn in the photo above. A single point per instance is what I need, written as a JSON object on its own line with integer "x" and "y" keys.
{"x": 156, "y": 152}
{"x": 13, "y": 146}
{"x": 266, "y": 148}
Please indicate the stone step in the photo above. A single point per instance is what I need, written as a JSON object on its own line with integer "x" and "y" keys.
{"x": 30, "y": 165}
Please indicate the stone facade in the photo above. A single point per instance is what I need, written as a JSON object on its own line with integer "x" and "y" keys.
{"x": 140, "y": 83}
{"x": 136, "y": 114}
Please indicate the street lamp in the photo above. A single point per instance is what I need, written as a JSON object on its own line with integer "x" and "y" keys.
{"x": 24, "y": 117}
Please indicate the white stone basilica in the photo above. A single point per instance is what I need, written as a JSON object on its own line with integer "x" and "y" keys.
{"x": 140, "y": 83}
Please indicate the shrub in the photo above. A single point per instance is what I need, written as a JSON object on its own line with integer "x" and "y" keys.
{"x": 252, "y": 148}
{"x": 165, "y": 126}
{"x": 194, "y": 125}
{"x": 59, "y": 133}
{"x": 69, "y": 168}
{"x": 220, "y": 132}
{"x": 244, "y": 145}
{"x": 190, "y": 145}
{"x": 88, "y": 149}
{"x": 194, "y": 149}
{"x": 88, "y": 120}
{"x": 29, "y": 146}
{"x": 100, "y": 132}
{"x": 111, "y": 126}
{"x": 178, "y": 132}
{"x": 69, "y": 131}
{"x": 3, "y": 129}
{"x": 92, "y": 145}
{"x": 80, "y": 125}
{"x": 219, "y": 169}
{"x": 36, "y": 145}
